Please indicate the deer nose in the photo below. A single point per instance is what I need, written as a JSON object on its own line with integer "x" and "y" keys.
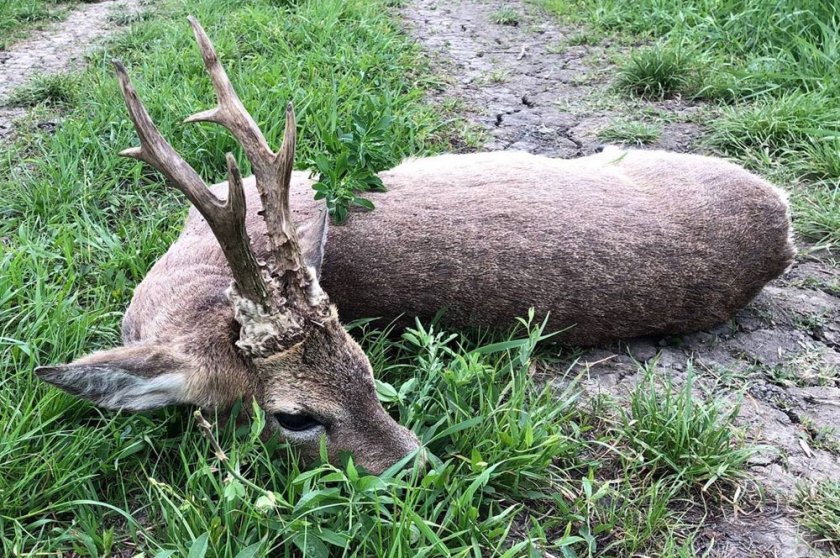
{"x": 381, "y": 445}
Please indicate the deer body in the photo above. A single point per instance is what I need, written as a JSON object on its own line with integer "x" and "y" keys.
{"x": 612, "y": 246}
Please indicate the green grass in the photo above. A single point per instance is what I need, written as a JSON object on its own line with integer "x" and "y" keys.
{"x": 676, "y": 432}
{"x": 17, "y": 17}
{"x": 506, "y": 15}
{"x": 56, "y": 90}
{"x": 770, "y": 67}
{"x": 515, "y": 467}
{"x": 633, "y": 132}
{"x": 655, "y": 72}
{"x": 819, "y": 511}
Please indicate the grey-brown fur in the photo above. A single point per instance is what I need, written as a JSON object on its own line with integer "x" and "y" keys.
{"x": 618, "y": 245}
{"x": 207, "y": 331}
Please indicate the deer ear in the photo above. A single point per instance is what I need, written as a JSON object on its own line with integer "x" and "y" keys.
{"x": 313, "y": 239}
{"x": 135, "y": 378}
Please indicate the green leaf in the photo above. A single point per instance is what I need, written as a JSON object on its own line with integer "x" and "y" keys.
{"x": 406, "y": 388}
{"x": 367, "y": 204}
{"x": 234, "y": 490}
{"x": 315, "y": 497}
{"x": 249, "y": 551}
{"x": 305, "y": 476}
{"x": 375, "y": 183}
{"x": 463, "y": 425}
{"x": 333, "y": 538}
{"x": 370, "y": 483}
{"x": 199, "y": 546}
{"x": 322, "y": 164}
{"x": 479, "y": 481}
{"x": 502, "y": 346}
{"x": 311, "y": 546}
{"x": 352, "y": 472}
{"x": 386, "y": 392}
{"x": 340, "y": 213}
{"x": 427, "y": 532}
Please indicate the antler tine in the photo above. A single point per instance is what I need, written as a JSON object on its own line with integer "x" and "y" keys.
{"x": 278, "y": 216}
{"x": 230, "y": 112}
{"x": 226, "y": 219}
{"x": 272, "y": 171}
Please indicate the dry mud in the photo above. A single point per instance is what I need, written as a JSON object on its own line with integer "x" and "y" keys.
{"x": 781, "y": 354}
{"x": 57, "y": 49}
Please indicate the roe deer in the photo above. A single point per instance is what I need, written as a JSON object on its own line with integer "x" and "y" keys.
{"x": 243, "y": 324}
{"x": 616, "y": 245}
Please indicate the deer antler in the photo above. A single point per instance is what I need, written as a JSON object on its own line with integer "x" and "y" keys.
{"x": 271, "y": 300}
{"x": 272, "y": 171}
{"x": 226, "y": 219}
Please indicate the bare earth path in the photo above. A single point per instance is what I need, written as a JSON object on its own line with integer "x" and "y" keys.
{"x": 54, "y": 50}
{"x": 531, "y": 93}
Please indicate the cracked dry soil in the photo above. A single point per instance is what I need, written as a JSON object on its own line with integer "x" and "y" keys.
{"x": 782, "y": 352}
{"x": 57, "y": 49}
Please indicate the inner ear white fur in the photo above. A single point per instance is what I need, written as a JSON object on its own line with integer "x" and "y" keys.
{"x": 116, "y": 388}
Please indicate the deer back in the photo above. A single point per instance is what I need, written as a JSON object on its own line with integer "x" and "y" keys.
{"x": 615, "y": 245}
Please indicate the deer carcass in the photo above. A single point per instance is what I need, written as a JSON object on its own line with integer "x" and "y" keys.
{"x": 611, "y": 246}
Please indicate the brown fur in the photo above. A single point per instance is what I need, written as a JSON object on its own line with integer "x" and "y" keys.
{"x": 617, "y": 245}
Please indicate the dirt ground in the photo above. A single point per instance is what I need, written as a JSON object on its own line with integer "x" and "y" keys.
{"x": 533, "y": 92}
{"x": 57, "y": 49}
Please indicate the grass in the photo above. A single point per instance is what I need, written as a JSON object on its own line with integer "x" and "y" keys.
{"x": 17, "y": 17}
{"x": 819, "y": 508}
{"x": 506, "y": 15}
{"x": 654, "y": 73}
{"x": 768, "y": 67}
{"x": 516, "y": 467}
{"x": 53, "y": 90}
{"x": 634, "y": 132}
{"x": 687, "y": 438}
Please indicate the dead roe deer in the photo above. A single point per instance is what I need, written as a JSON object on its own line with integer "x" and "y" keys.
{"x": 231, "y": 323}
{"x": 615, "y": 245}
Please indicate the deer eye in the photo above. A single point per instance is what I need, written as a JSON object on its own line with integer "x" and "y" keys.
{"x": 296, "y": 423}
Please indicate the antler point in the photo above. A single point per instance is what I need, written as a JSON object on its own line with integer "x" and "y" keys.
{"x": 208, "y": 115}
{"x": 132, "y": 152}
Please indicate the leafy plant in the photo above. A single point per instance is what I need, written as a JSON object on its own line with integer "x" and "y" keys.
{"x": 52, "y": 90}
{"x": 351, "y": 160}
{"x": 655, "y": 72}
{"x": 818, "y": 504}
{"x": 673, "y": 431}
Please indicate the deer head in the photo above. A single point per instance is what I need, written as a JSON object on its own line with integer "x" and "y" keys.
{"x": 306, "y": 372}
